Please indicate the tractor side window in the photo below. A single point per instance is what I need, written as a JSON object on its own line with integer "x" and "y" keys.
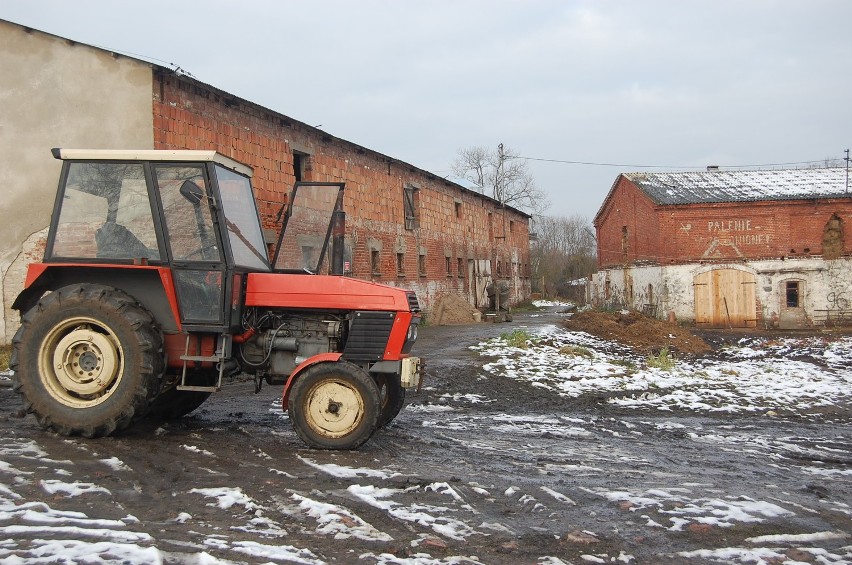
{"x": 306, "y": 234}
{"x": 200, "y": 295}
{"x": 105, "y": 214}
{"x": 241, "y": 220}
{"x": 186, "y": 209}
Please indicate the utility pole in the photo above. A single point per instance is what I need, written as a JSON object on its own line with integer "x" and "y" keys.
{"x": 847, "y": 171}
{"x": 499, "y": 181}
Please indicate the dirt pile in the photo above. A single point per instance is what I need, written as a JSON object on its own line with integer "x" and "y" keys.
{"x": 638, "y": 331}
{"x": 453, "y": 309}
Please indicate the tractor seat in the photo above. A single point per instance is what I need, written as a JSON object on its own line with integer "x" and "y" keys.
{"x": 115, "y": 241}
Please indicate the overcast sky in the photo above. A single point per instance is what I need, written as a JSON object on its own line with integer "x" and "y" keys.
{"x": 634, "y": 83}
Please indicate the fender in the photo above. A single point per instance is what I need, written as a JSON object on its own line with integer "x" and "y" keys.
{"x": 321, "y": 358}
{"x": 152, "y": 285}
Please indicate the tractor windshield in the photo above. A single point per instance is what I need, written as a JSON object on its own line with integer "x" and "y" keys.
{"x": 304, "y": 242}
{"x": 241, "y": 220}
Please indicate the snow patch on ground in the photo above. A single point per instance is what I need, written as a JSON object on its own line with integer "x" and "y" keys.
{"x": 755, "y": 376}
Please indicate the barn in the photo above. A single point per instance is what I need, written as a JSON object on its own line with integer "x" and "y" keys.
{"x": 405, "y": 226}
{"x": 726, "y": 248}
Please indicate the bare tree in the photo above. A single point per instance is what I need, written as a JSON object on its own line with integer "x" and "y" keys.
{"x": 564, "y": 251}
{"x": 502, "y": 176}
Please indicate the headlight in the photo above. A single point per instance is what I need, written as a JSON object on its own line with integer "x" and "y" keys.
{"x": 411, "y": 336}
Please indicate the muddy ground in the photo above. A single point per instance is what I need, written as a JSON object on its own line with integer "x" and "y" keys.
{"x": 479, "y": 470}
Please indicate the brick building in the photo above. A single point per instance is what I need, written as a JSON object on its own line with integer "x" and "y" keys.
{"x": 405, "y": 226}
{"x": 729, "y": 248}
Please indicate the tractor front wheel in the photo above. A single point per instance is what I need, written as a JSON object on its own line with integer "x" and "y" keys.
{"x": 87, "y": 359}
{"x": 334, "y": 406}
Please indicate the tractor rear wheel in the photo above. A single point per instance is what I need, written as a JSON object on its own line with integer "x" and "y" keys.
{"x": 87, "y": 360}
{"x": 334, "y": 406}
{"x": 392, "y": 397}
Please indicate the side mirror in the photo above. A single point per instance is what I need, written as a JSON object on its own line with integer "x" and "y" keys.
{"x": 192, "y": 192}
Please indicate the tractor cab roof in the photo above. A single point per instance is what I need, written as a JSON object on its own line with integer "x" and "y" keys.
{"x": 151, "y": 155}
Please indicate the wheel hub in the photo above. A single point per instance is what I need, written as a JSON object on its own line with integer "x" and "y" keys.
{"x": 85, "y": 362}
{"x": 88, "y": 361}
{"x": 334, "y": 409}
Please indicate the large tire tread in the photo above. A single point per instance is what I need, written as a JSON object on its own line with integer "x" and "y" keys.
{"x": 392, "y": 397}
{"x": 146, "y": 345}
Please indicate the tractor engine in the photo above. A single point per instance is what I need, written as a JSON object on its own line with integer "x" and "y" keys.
{"x": 283, "y": 340}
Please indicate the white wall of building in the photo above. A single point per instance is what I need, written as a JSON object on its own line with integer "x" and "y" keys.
{"x": 826, "y": 286}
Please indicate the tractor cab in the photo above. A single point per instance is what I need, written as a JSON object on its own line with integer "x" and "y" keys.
{"x": 200, "y": 218}
{"x": 193, "y": 212}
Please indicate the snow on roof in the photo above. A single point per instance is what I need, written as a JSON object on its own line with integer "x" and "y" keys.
{"x": 742, "y": 186}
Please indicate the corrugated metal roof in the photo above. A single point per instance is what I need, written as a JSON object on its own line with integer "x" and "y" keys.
{"x": 742, "y": 186}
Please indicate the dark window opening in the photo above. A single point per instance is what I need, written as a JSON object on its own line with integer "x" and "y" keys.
{"x": 449, "y": 265}
{"x": 458, "y": 209}
{"x": 460, "y": 267}
{"x": 375, "y": 265}
{"x": 792, "y": 294}
{"x": 400, "y": 264}
{"x": 299, "y": 166}
{"x": 421, "y": 265}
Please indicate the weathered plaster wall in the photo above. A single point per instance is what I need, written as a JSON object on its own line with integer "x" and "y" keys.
{"x": 827, "y": 286}
{"x": 56, "y": 93}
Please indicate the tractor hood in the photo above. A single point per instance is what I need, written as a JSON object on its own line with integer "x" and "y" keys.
{"x": 324, "y": 292}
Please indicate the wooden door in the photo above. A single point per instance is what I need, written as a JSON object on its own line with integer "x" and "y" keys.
{"x": 725, "y": 298}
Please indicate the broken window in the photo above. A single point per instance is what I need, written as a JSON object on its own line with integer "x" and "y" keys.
{"x": 299, "y": 168}
{"x": 410, "y": 200}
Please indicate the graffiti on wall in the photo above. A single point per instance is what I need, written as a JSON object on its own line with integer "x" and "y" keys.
{"x": 837, "y": 301}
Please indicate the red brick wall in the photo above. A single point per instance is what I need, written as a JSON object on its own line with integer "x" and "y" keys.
{"x": 724, "y": 231}
{"x": 190, "y": 115}
{"x": 627, "y": 207}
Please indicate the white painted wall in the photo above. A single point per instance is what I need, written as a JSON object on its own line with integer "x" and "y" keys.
{"x": 827, "y": 285}
{"x": 56, "y": 93}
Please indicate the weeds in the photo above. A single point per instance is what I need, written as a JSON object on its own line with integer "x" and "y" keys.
{"x": 517, "y": 338}
{"x": 663, "y": 360}
{"x": 576, "y": 351}
{"x": 5, "y": 355}
{"x": 626, "y": 363}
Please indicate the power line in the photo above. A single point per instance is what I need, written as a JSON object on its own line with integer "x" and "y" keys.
{"x": 625, "y": 165}
{"x": 175, "y": 67}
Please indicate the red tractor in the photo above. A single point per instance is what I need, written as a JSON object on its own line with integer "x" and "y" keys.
{"x": 156, "y": 284}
